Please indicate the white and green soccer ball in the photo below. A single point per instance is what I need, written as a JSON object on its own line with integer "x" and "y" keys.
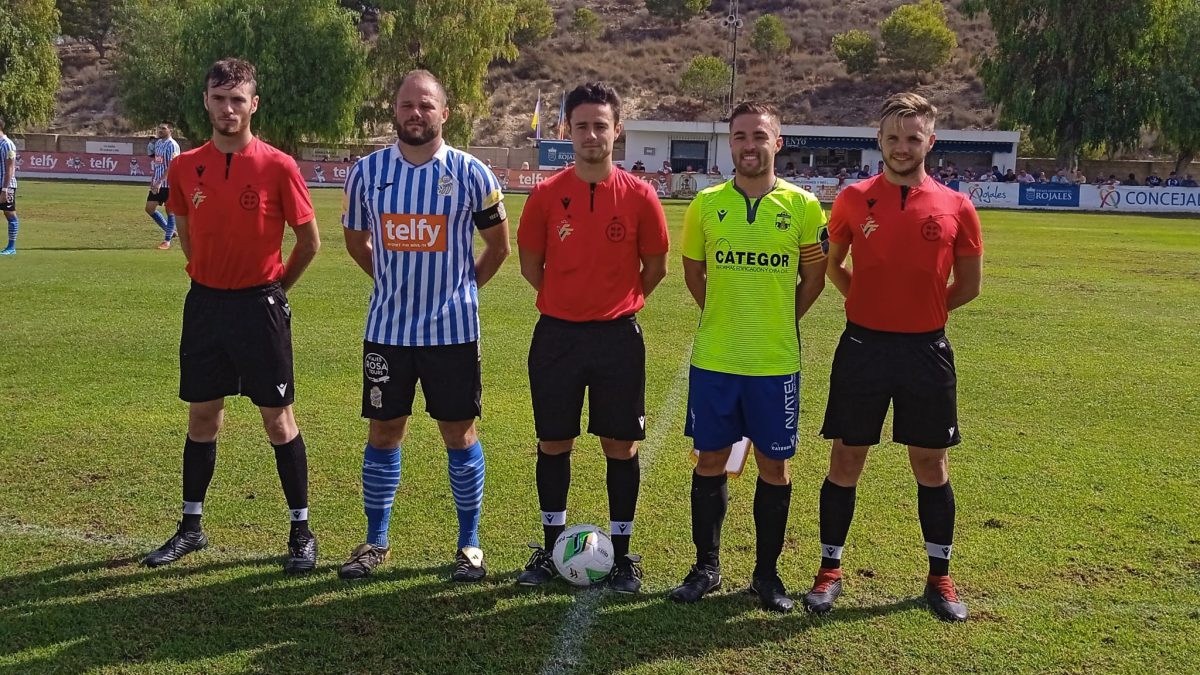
{"x": 583, "y": 555}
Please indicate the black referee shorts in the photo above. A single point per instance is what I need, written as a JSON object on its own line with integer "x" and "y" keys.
{"x": 451, "y": 378}
{"x": 912, "y": 371}
{"x": 237, "y": 342}
{"x": 608, "y": 359}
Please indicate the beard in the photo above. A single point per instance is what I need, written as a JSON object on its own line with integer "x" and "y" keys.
{"x": 593, "y": 155}
{"x": 898, "y": 168}
{"x": 762, "y": 168}
{"x": 420, "y": 136}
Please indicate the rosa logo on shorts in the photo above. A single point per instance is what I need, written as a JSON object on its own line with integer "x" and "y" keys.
{"x": 376, "y": 368}
{"x": 414, "y": 232}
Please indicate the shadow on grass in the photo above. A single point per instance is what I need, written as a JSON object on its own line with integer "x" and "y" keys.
{"x": 247, "y": 615}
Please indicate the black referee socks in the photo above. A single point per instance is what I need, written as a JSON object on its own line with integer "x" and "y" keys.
{"x": 291, "y": 460}
{"x": 553, "y": 475}
{"x": 935, "y": 507}
{"x": 837, "y": 510}
{"x": 199, "y": 460}
{"x": 623, "y": 478}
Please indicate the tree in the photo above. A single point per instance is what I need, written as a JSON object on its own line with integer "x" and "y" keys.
{"x": 456, "y": 40}
{"x": 1074, "y": 75}
{"x": 1179, "y": 81}
{"x": 770, "y": 38}
{"x": 189, "y": 37}
{"x": 533, "y": 22}
{"x": 677, "y": 11}
{"x": 89, "y": 21}
{"x": 29, "y": 66}
{"x": 916, "y": 37}
{"x": 586, "y": 25}
{"x": 707, "y": 78}
{"x": 857, "y": 51}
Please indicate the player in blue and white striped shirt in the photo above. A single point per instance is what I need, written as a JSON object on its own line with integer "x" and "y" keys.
{"x": 8, "y": 189}
{"x": 165, "y": 149}
{"x": 410, "y": 212}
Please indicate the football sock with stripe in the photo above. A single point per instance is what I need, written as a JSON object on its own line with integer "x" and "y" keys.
{"x": 13, "y": 225}
{"x": 624, "y": 479}
{"x": 467, "y": 470}
{"x": 380, "y": 478}
{"x": 710, "y": 501}
{"x": 170, "y": 229}
{"x": 935, "y": 507}
{"x": 291, "y": 461}
{"x": 837, "y": 510}
{"x": 199, "y": 460}
{"x": 771, "y": 503}
{"x": 159, "y": 220}
{"x": 553, "y": 475}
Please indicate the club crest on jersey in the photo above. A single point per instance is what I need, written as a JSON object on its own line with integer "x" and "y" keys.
{"x": 198, "y": 198}
{"x": 615, "y": 231}
{"x": 564, "y": 229}
{"x": 869, "y": 226}
{"x": 445, "y": 186}
{"x": 783, "y": 220}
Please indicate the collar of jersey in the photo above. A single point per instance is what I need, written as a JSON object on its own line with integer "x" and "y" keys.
{"x": 440, "y": 155}
{"x": 250, "y": 149}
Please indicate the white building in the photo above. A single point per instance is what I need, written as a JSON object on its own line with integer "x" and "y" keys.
{"x": 704, "y": 144}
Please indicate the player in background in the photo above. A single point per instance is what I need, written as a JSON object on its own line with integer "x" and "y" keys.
{"x": 906, "y": 234}
{"x": 165, "y": 150}
{"x": 752, "y": 260}
{"x": 232, "y": 197}
{"x": 410, "y": 213}
{"x": 593, "y": 243}
{"x": 8, "y": 189}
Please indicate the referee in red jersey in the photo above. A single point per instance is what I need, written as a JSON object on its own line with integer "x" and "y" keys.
{"x": 231, "y": 198}
{"x": 593, "y": 242}
{"x": 906, "y": 233}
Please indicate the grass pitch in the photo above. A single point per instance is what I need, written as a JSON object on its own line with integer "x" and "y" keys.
{"x": 1077, "y": 544}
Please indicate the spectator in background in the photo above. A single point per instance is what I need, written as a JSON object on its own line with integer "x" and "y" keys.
{"x": 985, "y": 176}
{"x": 666, "y": 167}
{"x": 1153, "y": 180}
{"x": 1025, "y": 177}
{"x": 879, "y": 168}
{"x": 525, "y": 166}
{"x": 1189, "y": 182}
{"x": 789, "y": 170}
{"x": 864, "y": 172}
{"x": 1078, "y": 178}
{"x": 715, "y": 170}
{"x": 1009, "y": 177}
{"x": 689, "y": 169}
{"x": 1173, "y": 180}
{"x": 637, "y": 166}
{"x": 1131, "y": 180}
{"x": 1112, "y": 180}
{"x": 996, "y": 175}
{"x": 1042, "y": 178}
{"x": 1060, "y": 176}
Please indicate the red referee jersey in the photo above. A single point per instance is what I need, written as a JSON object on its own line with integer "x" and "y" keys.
{"x": 236, "y": 205}
{"x": 903, "y": 244}
{"x": 593, "y": 236}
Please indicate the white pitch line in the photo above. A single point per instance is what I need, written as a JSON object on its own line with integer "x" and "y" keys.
{"x": 573, "y": 632}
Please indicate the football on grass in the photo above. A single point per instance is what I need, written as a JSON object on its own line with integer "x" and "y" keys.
{"x": 583, "y": 555}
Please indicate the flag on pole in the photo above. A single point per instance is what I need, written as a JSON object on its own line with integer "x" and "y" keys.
{"x": 562, "y": 117}
{"x": 536, "y": 123}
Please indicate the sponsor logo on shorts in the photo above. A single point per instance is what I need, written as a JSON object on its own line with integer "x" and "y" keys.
{"x": 375, "y": 367}
{"x": 376, "y": 397}
{"x": 281, "y": 388}
{"x": 790, "y": 399}
{"x": 414, "y": 232}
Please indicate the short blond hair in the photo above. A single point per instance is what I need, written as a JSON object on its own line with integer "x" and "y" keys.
{"x": 908, "y": 104}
